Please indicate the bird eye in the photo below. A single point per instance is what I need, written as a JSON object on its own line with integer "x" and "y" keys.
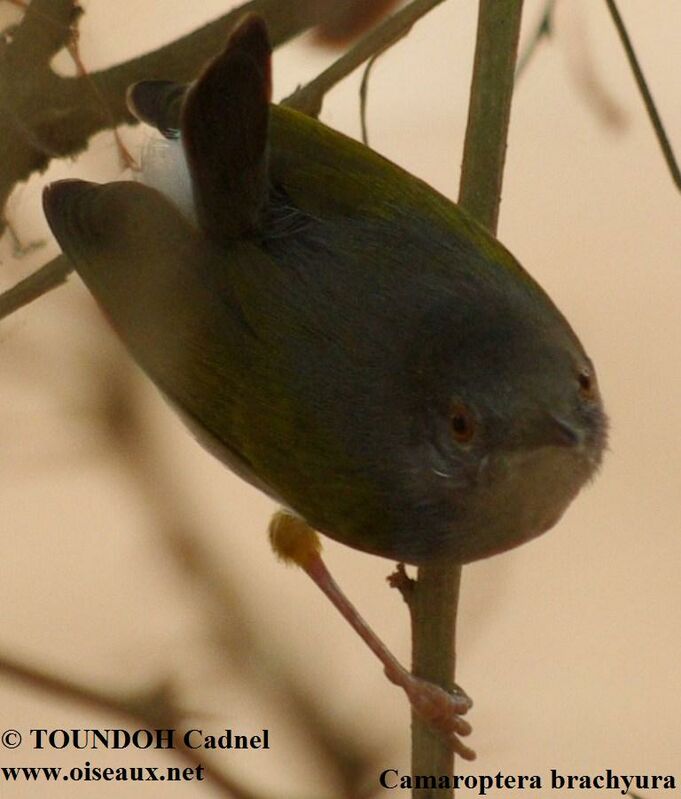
{"x": 587, "y": 384}
{"x": 462, "y": 423}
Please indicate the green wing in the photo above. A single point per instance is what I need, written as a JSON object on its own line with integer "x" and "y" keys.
{"x": 327, "y": 173}
{"x": 167, "y": 294}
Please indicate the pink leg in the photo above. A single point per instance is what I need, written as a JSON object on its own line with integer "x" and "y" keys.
{"x": 439, "y": 708}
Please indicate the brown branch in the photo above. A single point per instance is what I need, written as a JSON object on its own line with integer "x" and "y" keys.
{"x": 44, "y": 29}
{"x": 154, "y": 708}
{"x": 48, "y": 277}
{"x": 36, "y": 130}
{"x": 309, "y": 98}
{"x": 33, "y": 131}
{"x": 78, "y": 120}
{"x": 182, "y": 59}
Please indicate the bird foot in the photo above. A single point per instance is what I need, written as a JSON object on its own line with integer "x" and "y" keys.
{"x": 293, "y": 540}
{"x": 440, "y": 709}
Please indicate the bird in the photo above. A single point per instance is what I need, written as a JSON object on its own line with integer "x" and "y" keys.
{"x": 339, "y": 334}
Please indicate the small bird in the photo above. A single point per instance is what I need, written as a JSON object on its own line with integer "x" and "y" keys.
{"x": 339, "y": 334}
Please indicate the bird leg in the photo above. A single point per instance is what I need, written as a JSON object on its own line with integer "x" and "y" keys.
{"x": 294, "y": 541}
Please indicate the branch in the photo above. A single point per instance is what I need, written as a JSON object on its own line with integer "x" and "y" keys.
{"x": 177, "y": 61}
{"x": 433, "y": 604}
{"x": 309, "y": 98}
{"x": 45, "y": 28}
{"x": 543, "y": 30}
{"x": 33, "y": 131}
{"x": 654, "y": 116}
{"x": 489, "y": 110}
{"x": 180, "y": 61}
{"x": 154, "y": 708}
{"x": 48, "y": 277}
{"x": 364, "y": 97}
{"x": 434, "y": 598}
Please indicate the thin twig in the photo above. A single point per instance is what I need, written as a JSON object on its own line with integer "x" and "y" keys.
{"x": 364, "y": 96}
{"x": 433, "y": 606}
{"x": 48, "y": 277}
{"x": 651, "y": 108}
{"x": 309, "y": 98}
{"x": 73, "y": 47}
{"x": 543, "y": 30}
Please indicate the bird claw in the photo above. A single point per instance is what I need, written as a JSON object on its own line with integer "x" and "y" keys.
{"x": 440, "y": 709}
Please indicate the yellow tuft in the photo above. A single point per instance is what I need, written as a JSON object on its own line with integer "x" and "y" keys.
{"x": 293, "y": 540}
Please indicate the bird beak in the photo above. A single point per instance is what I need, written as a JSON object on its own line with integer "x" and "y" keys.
{"x": 562, "y": 433}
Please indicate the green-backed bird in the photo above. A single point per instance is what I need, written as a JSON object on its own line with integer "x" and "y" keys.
{"x": 339, "y": 334}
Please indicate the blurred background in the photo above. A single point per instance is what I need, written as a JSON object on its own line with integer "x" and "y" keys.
{"x": 132, "y": 559}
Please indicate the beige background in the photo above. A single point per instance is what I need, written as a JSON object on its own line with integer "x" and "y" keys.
{"x": 570, "y": 645}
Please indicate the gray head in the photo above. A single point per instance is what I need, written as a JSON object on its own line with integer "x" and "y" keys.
{"x": 512, "y": 423}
